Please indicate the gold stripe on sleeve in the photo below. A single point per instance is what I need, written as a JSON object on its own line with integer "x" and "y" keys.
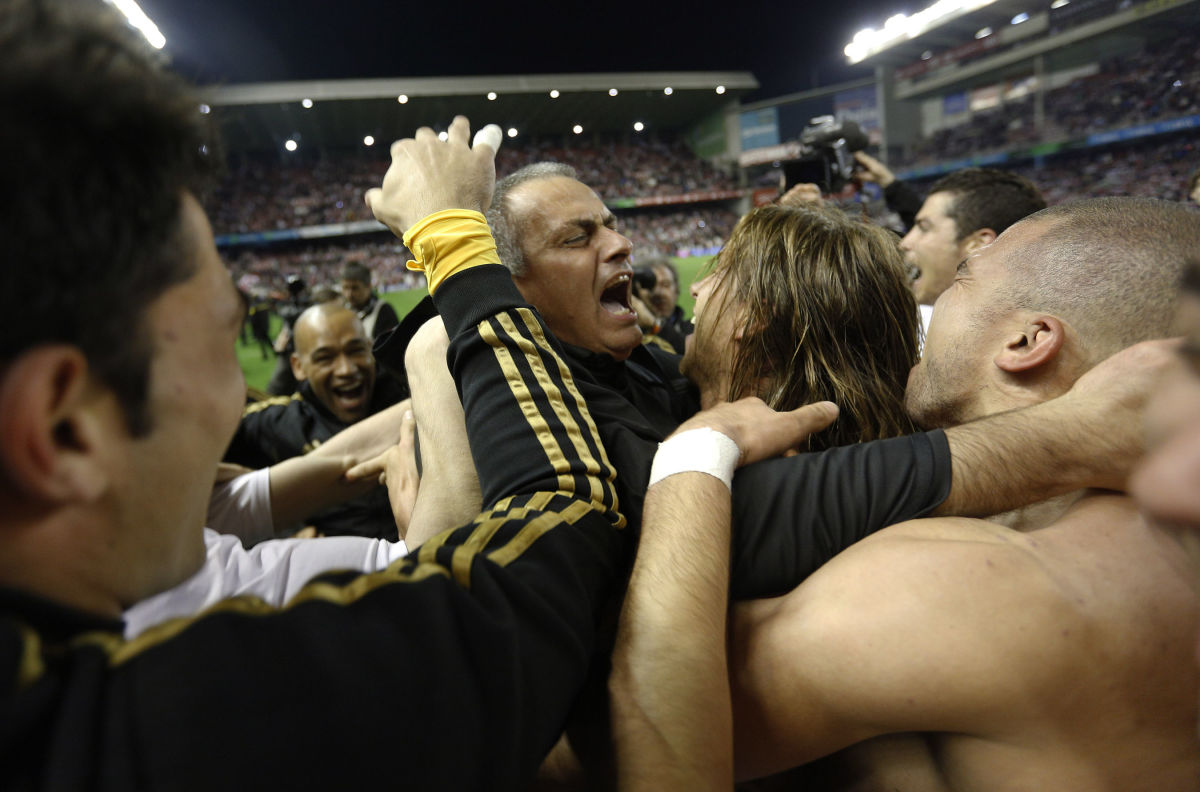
{"x": 609, "y": 472}
{"x": 558, "y": 461}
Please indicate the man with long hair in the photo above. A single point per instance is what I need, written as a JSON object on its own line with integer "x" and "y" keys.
{"x": 804, "y": 304}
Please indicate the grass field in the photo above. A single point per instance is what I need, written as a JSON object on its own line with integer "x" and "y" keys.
{"x": 258, "y": 371}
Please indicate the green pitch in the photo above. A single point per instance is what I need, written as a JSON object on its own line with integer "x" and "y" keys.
{"x": 258, "y": 371}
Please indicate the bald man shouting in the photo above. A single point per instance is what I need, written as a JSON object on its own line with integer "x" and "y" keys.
{"x": 339, "y": 385}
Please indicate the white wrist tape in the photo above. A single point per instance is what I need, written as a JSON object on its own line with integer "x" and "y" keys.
{"x": 696, "y": 451}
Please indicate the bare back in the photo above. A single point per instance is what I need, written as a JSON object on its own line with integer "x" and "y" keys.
{"x": 1056, "y": 659}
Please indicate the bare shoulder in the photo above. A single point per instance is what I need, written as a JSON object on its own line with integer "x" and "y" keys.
{"x": 963, "y": 626}
{"x": 999, "y": 613}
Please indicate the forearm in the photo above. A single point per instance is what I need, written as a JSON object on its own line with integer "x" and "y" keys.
{"x": 303, "y": 486}
{"x": 367, "y": 438}
{"x": 449, "y": 493}
{"x": 671, "y": 708}
{"x": 1025, "y": 456}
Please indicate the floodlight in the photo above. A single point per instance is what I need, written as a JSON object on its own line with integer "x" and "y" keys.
{"x": 369, "y": 140}
{"x": 143, "y": 24}
{"x": 402, "y": 98}
{"x": 577, "y": 129}
{"x": 638, "y": 126}
{"x": 1019, "y": 18}
{"x": 720, "y": 89}
{"x": 554, "y": 93}
{"x": 668, "y": 90}
{"x": 512, "y": 131}
{"x": 612, "y": 91}
{"x": 291, "y": 145}
{"x": 491, "y": 96}
{"x": 306, "y": 103}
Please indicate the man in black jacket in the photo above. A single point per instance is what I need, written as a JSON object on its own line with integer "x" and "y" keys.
{"x": 339, "y": 386}
{"x": 561, "y": 245}
{"x": 114, "y": 422}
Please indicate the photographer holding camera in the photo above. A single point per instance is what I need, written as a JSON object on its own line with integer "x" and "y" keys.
{"x": 655, "y": 298}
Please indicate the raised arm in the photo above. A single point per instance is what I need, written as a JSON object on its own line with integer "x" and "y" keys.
{"x": 670, "y": 697}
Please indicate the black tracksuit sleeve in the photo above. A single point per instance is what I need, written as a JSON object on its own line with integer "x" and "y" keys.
{"x": 451, "y": 669}
{"x": 791, "y": 515}
{"x": 488, "y": 320}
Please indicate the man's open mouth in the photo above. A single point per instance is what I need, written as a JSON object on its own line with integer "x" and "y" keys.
{"x": 350, "y": 396}
{"x": 615, "y": 297}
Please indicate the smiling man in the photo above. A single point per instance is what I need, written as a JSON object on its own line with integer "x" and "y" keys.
{"x": 113, "y": 421}
{"x": 338, "y": 387}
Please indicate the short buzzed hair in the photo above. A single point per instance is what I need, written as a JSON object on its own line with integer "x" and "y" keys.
{"x": 987, "y": 198}
{"x": 1110, "y": 266}
{"x": 318, "y": 314}
{"x": 499, "y": 215}
{"x": 356, "y": 271}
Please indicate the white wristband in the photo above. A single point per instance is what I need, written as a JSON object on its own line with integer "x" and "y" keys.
{"x": 696, "y": 451}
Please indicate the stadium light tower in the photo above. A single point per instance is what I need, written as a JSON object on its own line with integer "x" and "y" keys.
{"x": 137, "y": 18}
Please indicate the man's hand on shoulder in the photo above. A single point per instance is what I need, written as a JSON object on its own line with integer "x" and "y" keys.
{"x": 428, "y": 175}
{"x": 1111, "y": 399}
{"x": 759, "y": 431}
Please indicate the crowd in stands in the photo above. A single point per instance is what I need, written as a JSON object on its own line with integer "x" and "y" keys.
{"x": 697, "y": 230}
{"x": 263, "y": 194}
{"x": 647, "y": 168}
{"x": 266, "y": 270}
{"x": 675, "y": 232}
{"x": 1152, "y": 85}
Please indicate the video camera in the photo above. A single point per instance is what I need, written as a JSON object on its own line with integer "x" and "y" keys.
{"x": 827, "y": 149}
{"x": 644, "y": 278}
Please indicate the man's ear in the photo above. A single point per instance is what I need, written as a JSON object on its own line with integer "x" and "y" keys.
{"x": 55, "y": 426}
{"x": 297, "y": 368}
{"x": 1036, "y": 344}
{"x": 975, "y": 240}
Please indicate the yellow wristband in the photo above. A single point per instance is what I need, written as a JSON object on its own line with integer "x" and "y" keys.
{"x": 450, "y": 241}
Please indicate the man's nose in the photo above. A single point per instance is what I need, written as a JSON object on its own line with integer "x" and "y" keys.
{"x": 617, "y": 246}
{"x": 343, "y": 365}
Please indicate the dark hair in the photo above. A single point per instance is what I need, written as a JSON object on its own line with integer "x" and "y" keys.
{"x": 988, "y": 198}
{"x": 99, "y": 144}
{"x": 499, "y": 217}
{"x": 829, "y": 314}
{"x": 355, "y": 271}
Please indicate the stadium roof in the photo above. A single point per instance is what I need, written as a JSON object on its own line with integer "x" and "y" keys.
{"x": 340, "y": 113}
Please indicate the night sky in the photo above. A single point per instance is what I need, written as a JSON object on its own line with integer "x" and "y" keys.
{"x": 788, "y": 46}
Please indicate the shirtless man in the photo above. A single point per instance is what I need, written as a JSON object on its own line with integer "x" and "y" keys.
{"x": 1054, "y": 652}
